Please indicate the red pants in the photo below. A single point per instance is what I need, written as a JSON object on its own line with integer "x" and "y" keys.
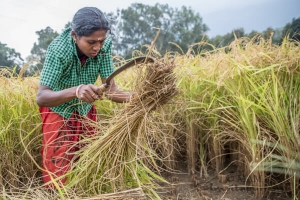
{"x": 60, "y": 141}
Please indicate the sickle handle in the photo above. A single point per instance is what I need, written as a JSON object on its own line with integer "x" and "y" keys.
{"x": 103, "y": 87}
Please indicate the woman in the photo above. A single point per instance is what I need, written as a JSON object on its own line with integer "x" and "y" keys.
{"x": 67, "y": 91}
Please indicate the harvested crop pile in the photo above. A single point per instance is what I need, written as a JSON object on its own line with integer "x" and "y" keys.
{"x": 123, "y": 157}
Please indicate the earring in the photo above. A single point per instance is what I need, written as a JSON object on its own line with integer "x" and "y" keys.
{"x": 75, "y": 41}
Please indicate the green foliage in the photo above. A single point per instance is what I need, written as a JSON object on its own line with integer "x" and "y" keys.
{"x": 274, "y": 34}
{"x": 38, "y": 51}
{"x": 222, "y": 41}
{"x": 181, "y": 26}
{"x": 114, "y": 20}
{"x": 9, "y": 57}
{"x": 45, "y": 37}
{"x": 292, "y": 30}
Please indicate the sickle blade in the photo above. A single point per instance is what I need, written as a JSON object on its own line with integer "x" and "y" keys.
{"x": 131, "y": 63}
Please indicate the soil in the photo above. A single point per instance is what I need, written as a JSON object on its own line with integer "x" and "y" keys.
{"x": 229, "y": 186}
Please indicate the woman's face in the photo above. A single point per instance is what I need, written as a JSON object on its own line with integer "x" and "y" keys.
{"x": 90, "y": 45}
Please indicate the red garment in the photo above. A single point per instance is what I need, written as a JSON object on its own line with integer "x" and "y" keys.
{"x": 83, "y": 59}
{"x": 60, "y": 141}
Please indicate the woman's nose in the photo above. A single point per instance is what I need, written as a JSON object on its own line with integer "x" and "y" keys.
{"x": 98, "y": 46}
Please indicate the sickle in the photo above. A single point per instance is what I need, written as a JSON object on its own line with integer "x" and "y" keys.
{"x": 138, "y": 60}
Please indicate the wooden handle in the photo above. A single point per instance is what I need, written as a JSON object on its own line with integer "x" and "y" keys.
{"x": 103, "y": 88}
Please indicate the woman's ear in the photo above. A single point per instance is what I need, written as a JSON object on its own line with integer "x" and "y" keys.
{"x": 74, "y": 36}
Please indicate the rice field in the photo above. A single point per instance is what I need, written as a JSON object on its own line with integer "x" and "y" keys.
{"x": 230, "y": 108}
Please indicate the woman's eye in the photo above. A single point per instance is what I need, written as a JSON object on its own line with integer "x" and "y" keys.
{"x": 91, "y": 42}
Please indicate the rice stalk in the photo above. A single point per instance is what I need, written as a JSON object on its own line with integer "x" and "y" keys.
{"x": 18, "y": 118}
{"x": 247, "y": 91}
{"x": 122, "y": 157}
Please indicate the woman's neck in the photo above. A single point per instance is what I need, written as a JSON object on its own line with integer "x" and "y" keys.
{"x": 79, "y": 53}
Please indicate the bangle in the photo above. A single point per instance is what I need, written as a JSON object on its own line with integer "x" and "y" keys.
{"x": 77, "y": 90}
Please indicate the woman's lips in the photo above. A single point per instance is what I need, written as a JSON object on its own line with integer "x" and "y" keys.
{"x": 94, "y": 53}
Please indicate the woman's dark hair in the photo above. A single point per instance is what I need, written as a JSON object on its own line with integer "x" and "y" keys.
{"x": 87, "y": 20}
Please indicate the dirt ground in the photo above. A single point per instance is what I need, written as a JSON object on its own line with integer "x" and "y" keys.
{"x": 230, "y": 186}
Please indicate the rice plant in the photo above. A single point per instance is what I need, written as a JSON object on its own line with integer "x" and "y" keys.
{"x": 231, "y": 108}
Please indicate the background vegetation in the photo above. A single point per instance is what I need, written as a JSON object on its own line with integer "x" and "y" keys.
{"x": 133, "y": 28}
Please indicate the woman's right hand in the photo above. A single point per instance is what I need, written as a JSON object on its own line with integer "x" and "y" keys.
{"x": 89, "y": 93}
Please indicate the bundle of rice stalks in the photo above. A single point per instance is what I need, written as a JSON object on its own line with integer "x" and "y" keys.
{"x": 122, "y": 157}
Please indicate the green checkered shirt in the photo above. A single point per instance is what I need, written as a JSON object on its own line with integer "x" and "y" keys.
{"x": 62, "y": 69}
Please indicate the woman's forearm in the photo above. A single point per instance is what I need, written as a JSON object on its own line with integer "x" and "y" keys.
{"x": 50, "y": 98}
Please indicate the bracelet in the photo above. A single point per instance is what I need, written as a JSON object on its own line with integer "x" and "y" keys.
{"x": 77, "y": 90}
